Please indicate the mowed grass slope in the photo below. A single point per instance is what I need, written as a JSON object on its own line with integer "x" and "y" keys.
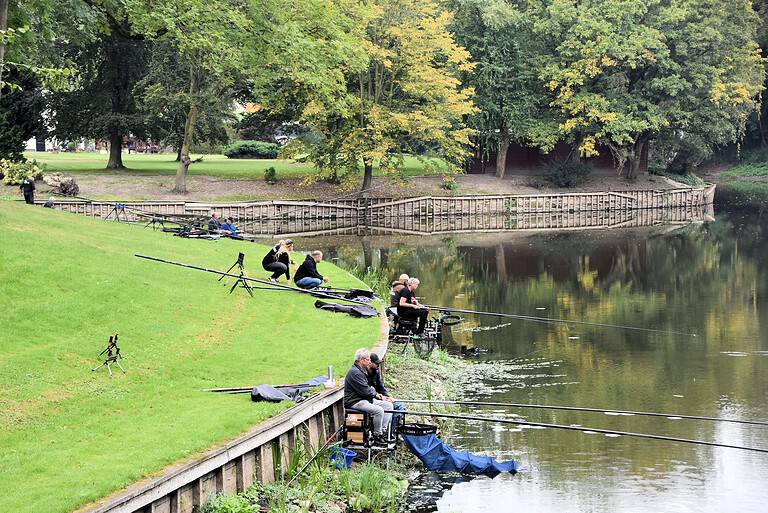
{"x": 68, "y": 435}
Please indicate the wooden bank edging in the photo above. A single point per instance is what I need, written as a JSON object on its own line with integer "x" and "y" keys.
{"x": 259, "y": 455}
{"x": 363, "y": 210}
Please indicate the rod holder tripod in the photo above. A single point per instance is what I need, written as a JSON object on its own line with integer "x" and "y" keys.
{"x": 243, "y": 278}
{"x": 118, "y": 209}
{"x": 112, "y": 352}
{"x": 154, "y": 222}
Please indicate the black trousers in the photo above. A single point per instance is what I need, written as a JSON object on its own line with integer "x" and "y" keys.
{"x": 414, "y": 313}
{"x": 29, "y": 197}
{"x": 277, "y": 269}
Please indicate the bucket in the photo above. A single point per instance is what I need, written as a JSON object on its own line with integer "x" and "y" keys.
{"x": 342, "y": 457}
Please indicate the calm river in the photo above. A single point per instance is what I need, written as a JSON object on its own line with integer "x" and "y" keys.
{"x": 710, "y": 279}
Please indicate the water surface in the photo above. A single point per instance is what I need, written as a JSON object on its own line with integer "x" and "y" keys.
{"x": 710, "y": 279}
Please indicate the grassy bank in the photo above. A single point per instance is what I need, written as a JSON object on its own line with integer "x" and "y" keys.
{"x": 165, "y": 165}
{"x": 380, "y": 486}
{"x": 70, "y": 435}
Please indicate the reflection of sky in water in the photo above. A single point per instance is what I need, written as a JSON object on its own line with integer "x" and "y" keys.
{"x": 707, "y": 279}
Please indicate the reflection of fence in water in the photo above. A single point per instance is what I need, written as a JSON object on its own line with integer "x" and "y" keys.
{"x": 432, "y": 224}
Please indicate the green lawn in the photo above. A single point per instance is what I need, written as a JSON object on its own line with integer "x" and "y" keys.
{"x": 69, "y": 435}
{"x": 748, "y": 170}
{"x": 212, "y": 165}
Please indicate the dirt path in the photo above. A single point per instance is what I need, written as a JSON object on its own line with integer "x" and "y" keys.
{"x": 206, "y": 188}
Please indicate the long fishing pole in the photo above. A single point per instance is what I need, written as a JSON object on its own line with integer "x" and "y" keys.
{"x": 583, "y": 429}
{"x": 548, "y": 320}
{"x": 170, "y": 218}
{"x": 256, "y": 280}
{"x": 673, "y": 416}
{"x": 327, "y": 442}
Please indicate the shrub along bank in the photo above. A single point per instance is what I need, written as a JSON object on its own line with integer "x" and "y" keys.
{"x": 70, "y": 435}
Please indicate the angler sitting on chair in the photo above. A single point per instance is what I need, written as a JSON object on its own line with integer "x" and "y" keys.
{"x": 306, "y": 276}
{"x": 397, "y": 287}
{"x": 408, "y": 306}
{"x": 376, "y": 381}
{"x": 359, "y": 395}
{"x": 229, "y": 226}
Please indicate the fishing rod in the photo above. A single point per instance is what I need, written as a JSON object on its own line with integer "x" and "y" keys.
{"x": 672, "y": 416}
{"x": 172, "y": 219}
{"x": 548, "y": 320}
{"x": 246, "y": 278}
{"x": 241, "y": 390}
{"x": 327, "y": 442}
{"x": 583, "y": 429}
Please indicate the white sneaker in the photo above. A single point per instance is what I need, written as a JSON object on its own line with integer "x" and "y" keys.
{"x": 272, "y": 280}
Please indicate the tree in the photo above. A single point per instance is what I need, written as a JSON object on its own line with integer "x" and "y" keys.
{"x": 27, "y": 69}
{"x": 161, "y": 93}
{"x": 396, "y": 89}
{"x": 624, "y": 72}
{"x": 216, "y": 41}
{"x": 20, "y": 113}
{"x": 101, "y": 102}
{"x": 512, "y": 101}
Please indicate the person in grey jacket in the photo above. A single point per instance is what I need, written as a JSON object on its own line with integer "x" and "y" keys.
{"x": 359, "y": 395}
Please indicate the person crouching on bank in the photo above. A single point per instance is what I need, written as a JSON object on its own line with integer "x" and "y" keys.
{"x": 306, "y": 276}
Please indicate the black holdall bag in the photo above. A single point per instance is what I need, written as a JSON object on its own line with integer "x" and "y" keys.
{"x": 416, "y": 429}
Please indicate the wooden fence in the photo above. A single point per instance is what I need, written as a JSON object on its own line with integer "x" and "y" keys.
{"x": 426, "y": 214}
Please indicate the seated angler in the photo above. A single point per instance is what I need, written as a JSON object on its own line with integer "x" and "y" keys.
{"x": 229, "y": 226}
{"x": 408, "y": 307}
{"x": 214, "y": 223}
{"x": 396, "y": 287}
{"x": 306, "y": 276}
{"x": 278, "y": 260}
{"x": 376, "y": 381}
{"x": 359, "y": 395}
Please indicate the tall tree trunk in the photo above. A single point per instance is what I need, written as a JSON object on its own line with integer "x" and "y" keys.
{"x": 115, "y": 150}
{"x": 367, "y": 175}
{"x": 635, "y": 159}
{"x": 501, "y": 157}
{"x": 3, "y": 27}
{"x": 189, "y": 131}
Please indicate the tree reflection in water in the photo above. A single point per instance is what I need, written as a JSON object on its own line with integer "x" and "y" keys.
{"x": 709, "y": 279}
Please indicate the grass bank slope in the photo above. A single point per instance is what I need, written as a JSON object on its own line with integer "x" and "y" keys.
{"x": 69, "y": 435}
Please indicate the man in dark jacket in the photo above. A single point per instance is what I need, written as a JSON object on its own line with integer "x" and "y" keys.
{"x": 375, "y": 380}
{"x": 28, "y": 188}
{"x": 306, "y": 276}
{"x": 359, "y": 395}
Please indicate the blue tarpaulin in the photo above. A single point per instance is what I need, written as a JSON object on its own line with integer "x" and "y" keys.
{"x": 439, "y": 456}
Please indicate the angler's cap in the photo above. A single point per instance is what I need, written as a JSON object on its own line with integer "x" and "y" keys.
{"x": 375, "y": 359}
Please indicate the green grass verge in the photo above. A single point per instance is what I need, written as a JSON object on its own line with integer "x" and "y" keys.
{"x": 749, "y": 169}
{"x": 69, "y": 435}
{"x": 212, "y": 165}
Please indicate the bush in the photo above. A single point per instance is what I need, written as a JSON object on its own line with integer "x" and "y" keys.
{"x": 14, "y": 173}
{"x": 252, "y": 150}
{"x": 567, "y": 173}
{"x": 449, "y": 183}
{"x": 270, "y": 175}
